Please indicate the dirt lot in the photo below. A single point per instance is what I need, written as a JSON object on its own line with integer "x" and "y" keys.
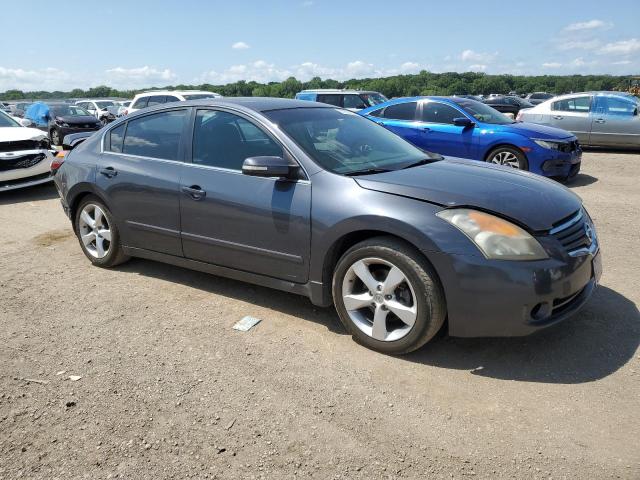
{"x": 169, "y": 390}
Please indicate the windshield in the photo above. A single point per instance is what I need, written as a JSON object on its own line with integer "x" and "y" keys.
{"x": 105, "y": 104}
{"x": 69, "y": 111}
{"x": 344, "y": 142}
{"x": 373, "y": 98}
{"x": 483, "y": 113}
{"x": 7, "y": 121}
{"x": 196, "y": 96}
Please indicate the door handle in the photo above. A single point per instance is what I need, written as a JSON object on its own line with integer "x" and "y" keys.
{"x": 600, "y": 120}
{"x": 558, "y": 117}
{"x": 109, "y": 172}
{"x": 195, "y": 192}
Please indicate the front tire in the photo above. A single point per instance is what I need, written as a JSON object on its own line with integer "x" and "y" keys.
{"x": 509, "y": 157}
{"x": 98, "y": 233}
{"x": 387, "y": 296}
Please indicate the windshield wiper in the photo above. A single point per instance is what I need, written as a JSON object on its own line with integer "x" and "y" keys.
{"x": 367, "y": 171}
{"x": 424, "y": 161}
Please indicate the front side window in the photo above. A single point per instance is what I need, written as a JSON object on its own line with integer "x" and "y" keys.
{"x": 435, "y": 112}
{"x": 481, "y": 112}
{"x": 576, "y": 104}
{"x": 344, "y": 142}
{"x": 225, "y": 140}
{"x": 616, "y": 106}
{"x": 171, "y": 98}
{"x": 401, "y": 111}
{"x": 7, "y": 121}
{"x": 331, "y": 99}
{"x": 155, "y": 136}
{"x": 373, "y": 98}
{"x": 353, "y": 101}
{"x": 116, "y": 139}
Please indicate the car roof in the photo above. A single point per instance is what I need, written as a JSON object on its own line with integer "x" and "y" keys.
{"x": 335, "y": 90}
{"x": 258, "y": 104}
{"x": 175, "y": 92}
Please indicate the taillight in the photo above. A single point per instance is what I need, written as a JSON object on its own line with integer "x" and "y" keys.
{"x": 58, "y": 160}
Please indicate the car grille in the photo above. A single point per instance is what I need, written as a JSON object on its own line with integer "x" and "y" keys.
{"x": 575, "y": 233}
{"x": 20, "y": 145}
{"x": 24, "y": 161}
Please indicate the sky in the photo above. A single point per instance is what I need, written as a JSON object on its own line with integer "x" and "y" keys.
{"x": 138, "y": 44}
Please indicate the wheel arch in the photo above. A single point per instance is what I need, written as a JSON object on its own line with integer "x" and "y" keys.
{"x": 495, "y": 146}
{"x": 76, "y": 196}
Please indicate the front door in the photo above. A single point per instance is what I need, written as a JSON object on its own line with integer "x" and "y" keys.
{"x": 401, "y": 119}
{"x": 439, "y": 134}
{"x": 139, "y": 174}
{"x": 615, "y": 122}
{"x": 254, "y": 224}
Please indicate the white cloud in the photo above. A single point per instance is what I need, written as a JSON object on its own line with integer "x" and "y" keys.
{"x": 622, "y": 62}
{"x": 473, "y": 56}
{"x": 240, "y": 46}
{"x": 478, "y": 67}
{"x": 41, "y": 79}
{"x": 589, "y": 25}
{"x": 551, "y": 65}
{"x": 307, "y": 3}
{"x": 622, "y": 47}
{"x": 579, "y": 44}
{"x": 146, "y": 76}
{"x": 410, "y": 67}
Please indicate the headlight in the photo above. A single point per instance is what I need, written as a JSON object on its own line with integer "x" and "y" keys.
{"x": 551, "y": 145}
{"x": 496, "y": 238}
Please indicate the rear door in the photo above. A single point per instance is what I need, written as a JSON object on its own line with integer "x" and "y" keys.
{"x": 254, "y": 224}
{"x": 439, "y": 134}
{"x": 139, "y": 173}
{"x": 573, "y": 114}
{"x": 401, "y": 119}
{"x": 615, "y": 122}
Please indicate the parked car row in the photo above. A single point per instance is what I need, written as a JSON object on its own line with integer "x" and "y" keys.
{"x": 397, "y": 238}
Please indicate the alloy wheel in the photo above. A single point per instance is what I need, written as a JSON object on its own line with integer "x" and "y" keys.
{"x": 506, "y": 158}
{"x": 95, "y": 231}
{"x": 379, "y": 299}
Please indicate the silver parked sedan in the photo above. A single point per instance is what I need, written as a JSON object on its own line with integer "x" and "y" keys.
{"x": 607, "y": 119}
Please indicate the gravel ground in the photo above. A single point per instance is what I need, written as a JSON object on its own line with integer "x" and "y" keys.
{"x": 168, "y": 389}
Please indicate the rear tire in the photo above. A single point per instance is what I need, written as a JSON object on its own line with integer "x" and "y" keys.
{"x": 509, "y": 157}
{"x": 98, "y": 233}
{"x": 400, "y": 304}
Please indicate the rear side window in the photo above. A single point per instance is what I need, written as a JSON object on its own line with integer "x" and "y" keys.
{"x": 225, "y": 140}
{"x": 141, "y": 102}
{"x": 116, "y": 138}
{"x": 401, "y": 111}
{"x": 156, "y": 100}
{"x": 171, "y": 98}
{"x": 577, "y": 104}
{"x": 377, "y": 113}
{"x": 353, "y": 101}
{"x": 156, "y": 136}
{"x": 435, "y": 112}
{"x": 331, "y": 99}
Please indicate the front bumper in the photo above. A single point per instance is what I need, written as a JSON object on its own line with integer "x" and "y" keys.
{"x": 64, "y": 131}
{"x": 20, "y": 176}
{"x": 489, "y": 298}
{"x": 551, "y": 163}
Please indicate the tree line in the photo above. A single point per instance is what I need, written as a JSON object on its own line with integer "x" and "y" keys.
{"x": 423, "y": 83}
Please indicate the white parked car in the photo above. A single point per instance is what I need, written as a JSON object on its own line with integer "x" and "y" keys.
{"x": 157, "y": 97}
{"x": 25, "y": 154}
{"x": 99, "y": 109}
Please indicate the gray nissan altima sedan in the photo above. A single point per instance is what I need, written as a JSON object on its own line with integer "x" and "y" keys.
{"x": 319, "y": 201}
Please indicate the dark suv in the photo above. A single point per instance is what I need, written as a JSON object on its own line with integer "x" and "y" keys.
{"x": 319, "y": 201}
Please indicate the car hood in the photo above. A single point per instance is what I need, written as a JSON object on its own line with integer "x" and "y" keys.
{"x": 533, "y": 130}
{"x": 528, "y": 199}
{"x": 16, "y": 134}
{"x": 77, "y": 119}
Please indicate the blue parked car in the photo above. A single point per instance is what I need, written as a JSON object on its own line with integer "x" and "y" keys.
{"x": 461, "y": 127}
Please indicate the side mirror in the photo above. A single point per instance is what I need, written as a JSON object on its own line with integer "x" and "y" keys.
{"x": 268, "y": 167}
{"x": 463, "y": 122}
{"x": 25, "y": 122}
